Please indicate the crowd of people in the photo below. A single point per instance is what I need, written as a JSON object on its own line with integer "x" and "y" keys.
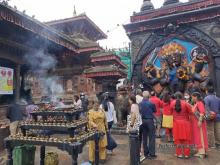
{"x": 185, "y": 118}
{"x": 191, "y": 120}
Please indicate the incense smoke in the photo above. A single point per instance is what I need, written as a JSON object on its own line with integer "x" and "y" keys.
{"x": 40, "y": 63}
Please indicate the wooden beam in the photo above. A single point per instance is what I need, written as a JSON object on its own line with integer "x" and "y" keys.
{"x": 11, "y": 57}
{"x": 15, "y": 44}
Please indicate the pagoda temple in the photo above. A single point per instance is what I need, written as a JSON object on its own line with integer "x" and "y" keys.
{"x": 22, "y": 37}
{"x": 43, "y": 59}
{"x": 86, "y": 33}
{"x": 106, "y": 70}
{"x": 31, "y": 50}
{"x": 177, "y": 46}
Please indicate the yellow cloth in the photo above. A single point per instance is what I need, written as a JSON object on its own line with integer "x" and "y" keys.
{"x": 98, "y": 118}
{"x": 167, "y": 121}
{"x": 102, "y": 152}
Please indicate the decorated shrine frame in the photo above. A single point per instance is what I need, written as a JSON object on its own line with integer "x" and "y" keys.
{"x": 203, "y": 50}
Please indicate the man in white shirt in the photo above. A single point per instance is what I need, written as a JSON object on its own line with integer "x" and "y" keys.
{"x": 109, "y": 109}
{"x": 110, "y": 113}
{"x": 77, "y": 102}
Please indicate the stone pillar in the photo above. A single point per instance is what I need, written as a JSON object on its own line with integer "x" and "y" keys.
{"x": 17, "y": 79}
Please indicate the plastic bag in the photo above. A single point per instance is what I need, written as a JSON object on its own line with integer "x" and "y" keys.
{"x": 51, "y": 158}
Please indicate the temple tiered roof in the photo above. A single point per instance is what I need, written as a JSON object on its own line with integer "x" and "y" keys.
{"x": 108, "y": 57}
{"x": 105, "y": 71}
{"x": 79, "y": 24}
{"x": 106, "y": 64}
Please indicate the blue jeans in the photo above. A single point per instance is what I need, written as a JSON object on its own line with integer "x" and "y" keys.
{"x": 110, "y": 125}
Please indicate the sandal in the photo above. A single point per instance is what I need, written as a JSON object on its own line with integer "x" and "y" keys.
{"x": 201, "y": 156}
{"x": 180, "y": 156}
{"x": 186, "y": 157}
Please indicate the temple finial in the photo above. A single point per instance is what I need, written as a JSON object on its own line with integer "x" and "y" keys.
{"x": 147, "y": 5}
{"x": 74, "y": 12}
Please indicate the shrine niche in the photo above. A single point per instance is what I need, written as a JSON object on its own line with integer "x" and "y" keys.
{"x": 194, "y": 33}
{"x": 175, "y": 65}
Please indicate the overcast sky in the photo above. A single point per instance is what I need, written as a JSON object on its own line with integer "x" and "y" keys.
{"x": 107, "y": 14}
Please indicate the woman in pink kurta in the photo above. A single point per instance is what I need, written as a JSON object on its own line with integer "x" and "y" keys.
{"x": 200, "y": 139}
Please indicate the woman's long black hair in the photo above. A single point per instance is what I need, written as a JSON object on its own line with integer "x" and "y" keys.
{"x": 105, "y": 104}
{"x": 179, "y": 97}
{"x": 166, "y": 97}
{"x": 105, "y": 101}
{"x": 133, "y": 99}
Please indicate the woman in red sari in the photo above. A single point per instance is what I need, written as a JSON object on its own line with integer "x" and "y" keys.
{"x": 200, "y": 138}
{"x": 181, "y": 126}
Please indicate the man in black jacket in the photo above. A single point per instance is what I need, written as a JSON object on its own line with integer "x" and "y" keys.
{"x": 14, "y": 114}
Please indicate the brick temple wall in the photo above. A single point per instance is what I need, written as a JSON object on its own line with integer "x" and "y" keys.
{"x": 71, "y": 86}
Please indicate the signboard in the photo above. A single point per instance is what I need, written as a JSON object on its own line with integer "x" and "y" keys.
{"x": 6, "y": 80}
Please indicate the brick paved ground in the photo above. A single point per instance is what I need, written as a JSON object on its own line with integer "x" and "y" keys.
{"x": 121, "y": 156}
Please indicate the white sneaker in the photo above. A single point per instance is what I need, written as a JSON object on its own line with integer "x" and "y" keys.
{"x": 142, "y": 158}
